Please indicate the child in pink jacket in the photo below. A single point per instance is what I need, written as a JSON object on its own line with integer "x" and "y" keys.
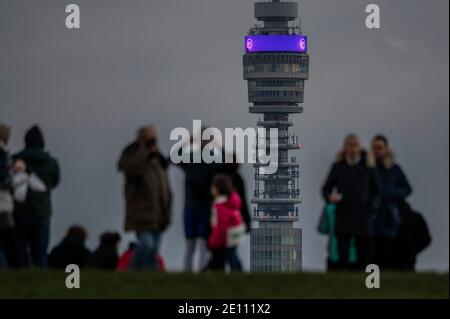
{"x": 227, "y": 226}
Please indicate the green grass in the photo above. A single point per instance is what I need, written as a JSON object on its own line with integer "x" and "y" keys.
{"x": 35, "y": 284}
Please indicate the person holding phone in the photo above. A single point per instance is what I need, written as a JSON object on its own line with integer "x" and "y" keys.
{"x": 148, "y": 196}
{"x": 353, "y": 187}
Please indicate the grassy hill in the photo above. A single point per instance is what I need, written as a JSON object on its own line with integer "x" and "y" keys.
{"x": 39, "y": 284}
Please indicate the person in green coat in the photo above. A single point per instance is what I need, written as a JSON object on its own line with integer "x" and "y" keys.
{"x": 32, "y": 215}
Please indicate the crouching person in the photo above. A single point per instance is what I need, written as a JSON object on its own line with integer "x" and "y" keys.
{"x": 227, "y": 226}
{"x": 106, "y": 256}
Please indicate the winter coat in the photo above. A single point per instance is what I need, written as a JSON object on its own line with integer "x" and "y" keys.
{"x": 6, "y": 199}
{"x": 359, "y": 187}
{"x": 394, "y": 188}
{"x": 71, "y": 250}
{"x": 197, "y": 184}
{"x": 147, "y": 189}
{"x": 5, "y": 175}
{"x": 231, "y": 170}
{"x": 104, "y": 257}
{"x": 227, "y": 227}
{"x": 45, "y": 167}
{"x": 126, "y": 259}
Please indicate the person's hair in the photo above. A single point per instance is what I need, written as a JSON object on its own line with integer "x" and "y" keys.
{"x": 381, "y": 138}
{"x": 223, "y": 184}
{"x": 144, "y": 128}
{"x": 109, "y": 238}
{"x": 77, "y": 231}
{"x": 351, "y": 136}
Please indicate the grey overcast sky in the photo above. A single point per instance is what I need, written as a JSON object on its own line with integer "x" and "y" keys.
{"x": 169, "y": 62}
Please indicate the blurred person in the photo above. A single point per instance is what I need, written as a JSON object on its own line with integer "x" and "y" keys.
{"x": 106, "y": 256}
{"x": 227, "y": 226}
{"x": 352, "y": 187}
{"x": 232, "y": 171}
{"x": 7, "y": 249}
{"x": 32, "y": 214}
{"x": 147, "y": 195}
{"x": 71, "y": 250}
{"x": 197, "y": 205}
{"x": 394, "y": 189}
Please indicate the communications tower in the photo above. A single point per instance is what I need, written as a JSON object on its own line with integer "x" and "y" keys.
{"x": 276, "y": 66}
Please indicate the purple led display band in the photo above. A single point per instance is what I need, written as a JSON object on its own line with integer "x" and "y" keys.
{"x": 264, "y": 43}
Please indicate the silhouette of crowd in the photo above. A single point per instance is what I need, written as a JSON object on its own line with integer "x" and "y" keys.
{"x": 216, "y": 216}
{"x": 366, "y": 216}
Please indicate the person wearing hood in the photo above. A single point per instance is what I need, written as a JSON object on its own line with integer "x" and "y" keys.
{"x": 7, "y": 251}
{"x": 395, "y": 188}
{"x": 352, "y": 186}
{"x": 71, "y": 250}
{"x": 32, "y": 215}
{"x": 227, "y": 226}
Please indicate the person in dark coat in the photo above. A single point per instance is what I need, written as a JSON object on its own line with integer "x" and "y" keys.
{"x": 32, "y": 217}
{"x": 148, "y": 196}
{"x": 7, "y": 244}
{"x": 197, "y": 203}
{"x": 394, "y": 190}
{"x": 353, "y": 187}
{"x": 106, "y": 256}
{"x": 71, "y": 250}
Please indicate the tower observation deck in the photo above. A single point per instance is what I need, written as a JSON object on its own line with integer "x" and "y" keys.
{"x": 276, "y": 65}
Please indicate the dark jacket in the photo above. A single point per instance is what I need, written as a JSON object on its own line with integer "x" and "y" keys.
{"x": 147, "y": 189}
{"x": 394, "y": 189}
{"x": 71, "y": 250}
{"x": 6, "y": 198}
{"x": 5, "y": 176}
{"x": 105, "y": 257}
{"x": 45, "y": 167}
{"x": 197, "y": 185}
{"x": 359, "y": 187}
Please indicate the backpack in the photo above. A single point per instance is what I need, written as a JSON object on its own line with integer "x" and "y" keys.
{"x": 414, "y": 226}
